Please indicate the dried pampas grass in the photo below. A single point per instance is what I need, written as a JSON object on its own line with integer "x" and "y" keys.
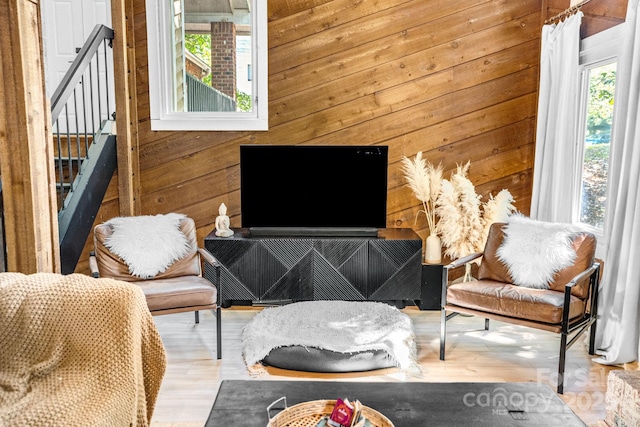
{"x": 464, "y": 220}
{"x": 496, "y": 209}
{"x": 425, "y": 181}
{"x": 460, "y": 225}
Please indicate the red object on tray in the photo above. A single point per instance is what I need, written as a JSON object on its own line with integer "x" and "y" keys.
{"x": 342, "y": 413}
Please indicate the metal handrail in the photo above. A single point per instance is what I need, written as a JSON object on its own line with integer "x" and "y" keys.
{"x": 78, "y": 67}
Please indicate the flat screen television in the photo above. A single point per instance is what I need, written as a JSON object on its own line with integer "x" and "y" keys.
{"x": 313, "y": 190}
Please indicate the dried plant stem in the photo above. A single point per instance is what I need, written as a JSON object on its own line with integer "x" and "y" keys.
{"x": 430, "y": 214}
{"x": 424, "y": 180}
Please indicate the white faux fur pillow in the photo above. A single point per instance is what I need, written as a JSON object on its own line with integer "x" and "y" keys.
{"x": 534, "y": 250}
{"x": 148, "y": 244}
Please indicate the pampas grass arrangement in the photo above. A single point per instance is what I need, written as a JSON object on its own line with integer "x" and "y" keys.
{"x": 460, "y": 225}
{"x": 464, "y": 221}
{"x": 453, "y": 209}
{"x": 425, "y": 181}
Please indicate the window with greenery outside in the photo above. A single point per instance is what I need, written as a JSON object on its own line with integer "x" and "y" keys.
{"x": 200, "y": 45}
{"x": 602, "y": 81}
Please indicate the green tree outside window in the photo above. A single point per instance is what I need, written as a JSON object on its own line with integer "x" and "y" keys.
{"x": 602, "y": 82}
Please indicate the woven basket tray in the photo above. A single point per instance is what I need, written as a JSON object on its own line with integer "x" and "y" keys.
{"x": 309, "y": 414}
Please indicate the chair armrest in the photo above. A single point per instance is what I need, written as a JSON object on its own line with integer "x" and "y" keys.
{"x": 582, "y": 275}
{"x": 594, "y": 272}
{"x": 93, "y": 265}
{"x": 462, "y": 261}
{"x": 208, "y": 257}
{"x": 455, "y": 264}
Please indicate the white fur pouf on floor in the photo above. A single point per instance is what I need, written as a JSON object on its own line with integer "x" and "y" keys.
{"x": 338, "y": 326}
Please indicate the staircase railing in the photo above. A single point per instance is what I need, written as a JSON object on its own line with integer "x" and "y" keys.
{"x": 82, "y": 115}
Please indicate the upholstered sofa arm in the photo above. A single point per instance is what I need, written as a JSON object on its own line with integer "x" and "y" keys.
{"x": 61, "y": 365}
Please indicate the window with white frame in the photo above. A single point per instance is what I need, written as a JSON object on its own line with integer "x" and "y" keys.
{"x": 198, "y": 56}
{"x": 598, "y": 92}
{"x": 596, "y": 125}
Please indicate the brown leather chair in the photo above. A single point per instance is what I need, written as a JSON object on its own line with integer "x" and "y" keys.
{"x": 179, "y": 288}
{"x": 568, "y": 307}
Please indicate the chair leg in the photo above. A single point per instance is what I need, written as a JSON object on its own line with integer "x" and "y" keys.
{"x": 592, "y": 339}
{"x": 443, "y": 331}
{"x": 197, "y": 316}
{"x": 219, "y": 332}
{"x": 561, "y": 362}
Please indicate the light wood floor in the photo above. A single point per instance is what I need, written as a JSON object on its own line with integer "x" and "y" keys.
{"x": 505, "y": 353}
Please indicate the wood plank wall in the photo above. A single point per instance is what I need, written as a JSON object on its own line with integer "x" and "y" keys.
{"x": 452, "y": 78}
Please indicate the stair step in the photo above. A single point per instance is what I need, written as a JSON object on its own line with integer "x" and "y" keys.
{"x": 67, "y": 159}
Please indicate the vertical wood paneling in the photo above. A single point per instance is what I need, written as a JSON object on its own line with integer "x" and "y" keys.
{"x": 126, "y": 118}
{"x": 26, "y": 148}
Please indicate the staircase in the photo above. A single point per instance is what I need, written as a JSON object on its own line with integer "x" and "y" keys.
{"x": 84, "y": 143}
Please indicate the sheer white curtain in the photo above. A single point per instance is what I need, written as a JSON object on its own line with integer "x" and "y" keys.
{"x": 557, "y": 111}
{"x": 618, "y": 327}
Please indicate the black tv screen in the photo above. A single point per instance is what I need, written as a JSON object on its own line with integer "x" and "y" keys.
{"x": 306, "y": 187}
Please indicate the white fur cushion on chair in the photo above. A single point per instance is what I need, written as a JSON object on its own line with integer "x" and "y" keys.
{"x": 535, "y": 250}
{"x": 148, "y": 244}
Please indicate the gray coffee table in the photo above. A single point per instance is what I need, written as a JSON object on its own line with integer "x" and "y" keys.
{"x": 410, "y": 404}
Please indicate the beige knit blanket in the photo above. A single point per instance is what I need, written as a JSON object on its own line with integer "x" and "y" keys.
{"x": 76, "y": 351}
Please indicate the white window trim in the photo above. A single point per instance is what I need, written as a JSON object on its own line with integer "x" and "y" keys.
{"x": 600, "y": 49}
{"x": 160, "y": 90}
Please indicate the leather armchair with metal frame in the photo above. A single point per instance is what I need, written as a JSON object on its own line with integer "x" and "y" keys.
{"x": 180, "y": 288}
{"x": 568, "y": 307}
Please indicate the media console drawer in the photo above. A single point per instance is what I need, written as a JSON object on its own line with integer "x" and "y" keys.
{"x": 382, "y": 268}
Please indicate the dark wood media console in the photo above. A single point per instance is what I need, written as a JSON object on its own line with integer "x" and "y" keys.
{"x": 305, "y": 268}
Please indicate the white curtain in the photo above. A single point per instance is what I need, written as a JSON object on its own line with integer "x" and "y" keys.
{"x": 557, "y": 110}
{"x": 618, "y": 327}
